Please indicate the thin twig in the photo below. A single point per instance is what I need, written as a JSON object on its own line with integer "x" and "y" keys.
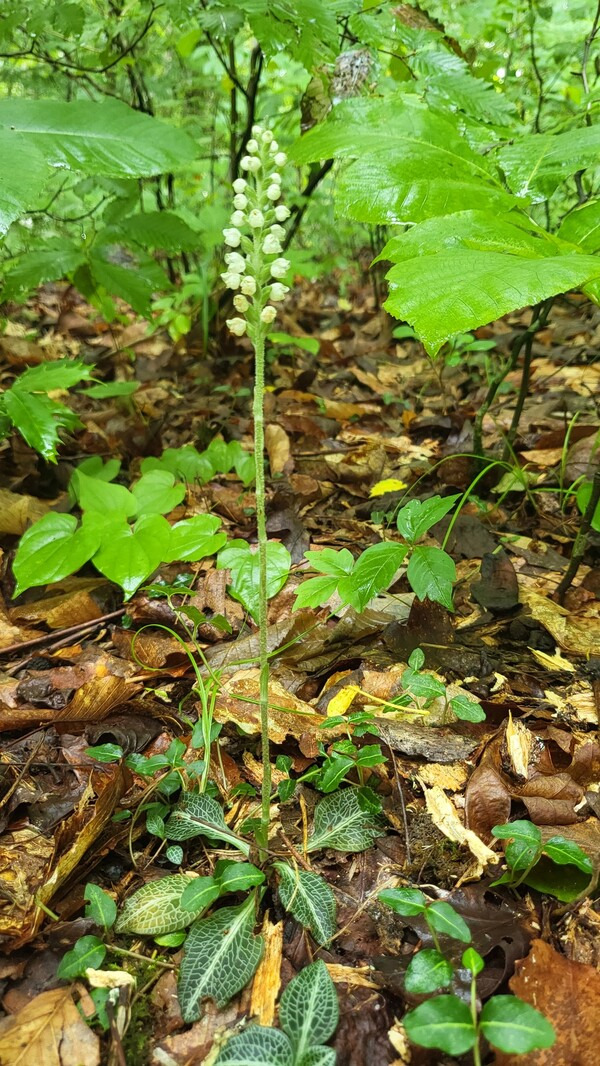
{"x": 581, "y": 539}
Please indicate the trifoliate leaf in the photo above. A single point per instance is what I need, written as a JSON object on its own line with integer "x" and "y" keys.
{"x": 156, "y": 908}
{"x": 341, "y": 823}
{"x": 308, "y": 1011}
{"x": 221, "y": 954}
{"x": 257, "y": 1046}
{"x": 309, "y": 899}
{"x": 200, "y": 815}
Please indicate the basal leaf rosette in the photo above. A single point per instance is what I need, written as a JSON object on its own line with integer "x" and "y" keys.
{"x": 255, "y": 266}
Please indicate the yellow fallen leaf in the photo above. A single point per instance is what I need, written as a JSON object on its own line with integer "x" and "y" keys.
{"x": 339, "y": 703}
{"x": 390, "y": 484}
{"x": 445, "y": 816}
{"x": 552, "y": 662}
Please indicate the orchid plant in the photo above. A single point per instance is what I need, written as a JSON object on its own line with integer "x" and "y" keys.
{"x": 255, "y": 272}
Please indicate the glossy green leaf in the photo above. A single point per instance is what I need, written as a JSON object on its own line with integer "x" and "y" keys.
{"x": 88, "y": 953}
{"x": 257, "y": 1046}
{"x": 198, "y": 895}
{"x": 238, "y": 877}
{"x": 341, "y": 823}
{"x": 195, "y": 538}
{"x": 472, "y": 961}
{"x": 431, "y": 574}
{"x": 374, "y": 571}
{"x": 59, "y": 374}
{"x": 38, "y": 419}
{"x": 104, "y": 497}
{"x": 308, "y": 1010}
{"x": 331, "y": 562}
{"x": 536, "y": 164}
{"x": 315, "y": 591}
{"x": 467, "y": 708}
{"x": 221, "y": 954}
{"x": 405, "y": 901}
{"x": 101, "y": 907}
{"x": 515, "y": 1026}
{"x": 582, "y": 226}
{"x": 309, "y": 899}
{"x": 129, "y": 555}
{"x": 584, "y": 493}
{"x": 23, "y": 174}
{"x": 443, "y": 1022}
{"x": 564, "y": 882}
{"x": 567, "y": 852}
{"x": 156, "y": 908}
{"x": 417, "y": 517}
{"x": 157, "y": 493}
{"x": 487, "y": 231}
{"x": 51, "y": 549}
{"x": 199, "y": 815}
{"x": 427, "y": 971}
{"x": 442, "y": 917}
{"x": 243, "y": 565}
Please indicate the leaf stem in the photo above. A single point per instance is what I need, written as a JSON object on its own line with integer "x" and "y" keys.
{"x": 261, "y": 523}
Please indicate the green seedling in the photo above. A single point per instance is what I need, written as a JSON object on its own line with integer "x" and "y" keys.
{"x": 557, "y": 866}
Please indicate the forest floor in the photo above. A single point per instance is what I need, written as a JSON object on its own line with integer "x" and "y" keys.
{"x": 368, "y": 408}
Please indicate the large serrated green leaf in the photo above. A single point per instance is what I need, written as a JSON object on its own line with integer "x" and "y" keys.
{"x": 537, "y": 163}
{"x": 107, "y": 137}
{"x": 48, "y": 262}
{"x": 221, "y": 954}
{"x": 582, "y": 226}
{"x": 341, "y": 823}
{"x": 309, "y": 899}
{"x": 257, "y": 1046}
{"x": 156, "y": 908}
{"x": 23, "y": 174}
{"x": 308, "y": 1011}
{"x": 200, "y": 815}
{"x": 513, "y": 233}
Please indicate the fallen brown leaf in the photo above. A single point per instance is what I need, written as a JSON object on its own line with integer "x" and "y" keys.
{"x": 49, "y": 1031}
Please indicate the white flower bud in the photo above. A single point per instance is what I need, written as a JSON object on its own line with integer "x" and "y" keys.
{"x": 251, "y": 163}
{"x": 238, "y": 218}
{"x": 257, "y": 131}
{"x": 237, "y": 326}
{"x": 278, "y": 231}
{"x": 240, "y": 303}
{"x": 282, "y": 212}
{"x": 232, "y": 237}
{"x": 256, "y": 218}
{"x": 239, "y": 185}
{"x": 280, "y": 267}
{"x": 274, "y": 147}
{"x": 240, "y": 201}
{"x": 252, "y": 146}
{"x": 248, "y": 286}
{"x": 231, "y": 279}
{"x": 266, "y": 136}
{"x": 268, "y": 315}
{"x": 280, "y": 159}
{"x": 275, "y": 177}
{"x": 271, "y": 245}
{"x": 278, "y": 292}
{"x": 273, "y": 192}
{"x": 235, "y": 262}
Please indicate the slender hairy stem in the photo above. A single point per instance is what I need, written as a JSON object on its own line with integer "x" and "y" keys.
{"x": 261, "y": 522}
{"x": 581, "y": 539}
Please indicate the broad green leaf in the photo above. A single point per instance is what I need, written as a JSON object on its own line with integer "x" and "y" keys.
{"x": 107, "y": 137}
{"x": 479, "y": 287}
{"x": 536, "y": 164}
{"x": 221, "y": 954}
{"x": 243, "y": 564}
{"x": 95, "y": 467}
{"x": 515, "y": 1026}
{"x": 136, "y": 283}
{"x": 156, "y": 908}
{"x": 442, "y": 917}
{"x": 318, "y": 1056}
{"x": 87, "y": 953}
{"x": 417, "y": 517}
{"x": 308, "y": 1010}
{"x": 60, "y": 374}
{"x": 55, "y": 259}
{"x": 186, "y": 463}
{"x": 583, "y": 498}
{"x": 564, "y": 882}
{"x": 582, "y": 226}
{"x": 238, "y": 877}
{"x": 427, "y": 972}
{"x": 194, "y": 538}
{"x": 309, "y": 899}
{"x": 520, "y": 829}
{"x": 101, "y": 907}
{"x": 331, "y": 562}
{"x": 36, "y": 419}
{"x": 257, "y": 1046}
{"x": 431, "y": 574}
{"x": 405, "y": 901}
{"x": 443, "y": 1022}
{"x": 512, "y": 233}
{"x": 128, "y": 555}
{"x": 567, "y": 852}
{"x": 23, "y": 174}
{"x": 52, "y": 549}
{"x": 315, "y": 591}
{"x": 422, "y": 686}
{"x": 160, "y": 229}
{"x": 157, "y": 493}
{"x": 198, "y": 895}
{"x": 374, "y": 571}
{"x": 341, "y": 823}
{"x": 199, "y": 815}
{"x": 467, "y": 708}
{"x": 96, "y": 494}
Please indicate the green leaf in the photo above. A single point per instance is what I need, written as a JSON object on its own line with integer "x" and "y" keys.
{"x": 512, "y": 233}
{"x": 52, "y": 549}
{"x": 96, "y": 494}
{"x": 194, "y": 538}
{"x": 36, "y": 419}
{"x": 405, "y": 901}
{"x": 199, "y": 815}
{"x": 566, "y": 883}
{"x": 520, "y": 829}
{"x": 472, "y": 961}
{"x": 243, "y": 565}
{"x": 171, "y": 940}
{"x": 257, "y": 1046}
{"x": 341, "y": 823}
{"x": 315, "y": 591}
{"x": 427, "y": 972}
{"x": 238, "y": 877}
{"x": 135, "y": 283}
{"x": 157, "y": 493}
{"x": 443, "y": 1022}
{"x": 101, "y": 908}
{"x": 60, "y": 374}
{"x": 374, "y": 570}
{"x": 479, "y": 287}
{"x": 174, "y": 854}
{"x": 308, "y": 1010}
{"x": 109, "y": 389}
{"x": 221, "y": 954}
{"x": 129, "y": 555}
{"x": 431, "y": 574}
{"x": 443, "y": 918}
{"x": 514, "y": 1026}
{"x": 467, "y": 708}
{"x": 567, "y": 852}
{"x": 156, "y": 908}
{"x": 107, "y": 138}
{"x": 87, "y": 953}
{"x": 417, "y": 517}
{"x": 198, "y": 895}
{"x": 582, "y": 227}
{"x": 54, "y": 259}
{"x": 309, "y": 899}
{"x": 331, "y": 562}
{"x": 538, "y": 163}
{"x": 583, "y": 498}
{"x": 160, "y": 229}
{"x": 95, "y": 467}
{"x": 23, "y": 174}
{"x": 318, "y": 1056}
{"x": 105, "y": 752}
